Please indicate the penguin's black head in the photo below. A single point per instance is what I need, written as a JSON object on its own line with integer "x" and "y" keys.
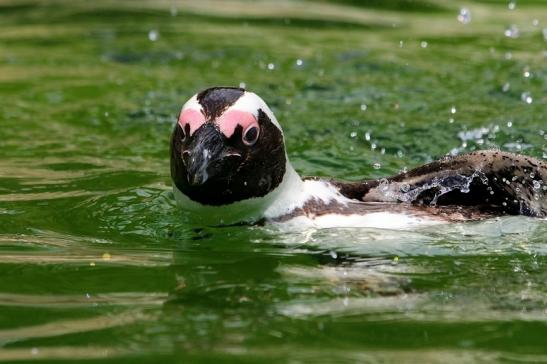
{"x": 227, "y": 146}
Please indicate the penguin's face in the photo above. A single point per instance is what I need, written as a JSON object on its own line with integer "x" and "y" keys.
{"x": 226, "y": 147}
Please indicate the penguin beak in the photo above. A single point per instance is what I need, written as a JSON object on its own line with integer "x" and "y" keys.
{"x": 208, "y": 157}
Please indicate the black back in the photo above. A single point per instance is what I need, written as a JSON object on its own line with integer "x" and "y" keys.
{"x": 491, "y": 181}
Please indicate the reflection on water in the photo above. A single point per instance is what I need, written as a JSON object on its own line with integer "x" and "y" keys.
{"x": 70, "y": 326}
{"x": 97, "y": 262}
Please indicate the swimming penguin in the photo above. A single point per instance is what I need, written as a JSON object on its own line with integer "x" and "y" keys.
{"x": 229, "y": 165}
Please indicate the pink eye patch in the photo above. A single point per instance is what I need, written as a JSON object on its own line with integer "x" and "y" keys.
{"x": 192, "y": 117}
{"x": 228, "y": 121}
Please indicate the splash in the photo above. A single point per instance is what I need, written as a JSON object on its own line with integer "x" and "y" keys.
{"x": 464, "y": 16}
{"x": 404, "y": 192}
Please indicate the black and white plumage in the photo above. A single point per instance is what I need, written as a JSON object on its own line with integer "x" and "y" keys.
{"x": 229, "y": 165}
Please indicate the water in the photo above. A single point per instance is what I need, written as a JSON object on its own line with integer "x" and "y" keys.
{"x": 98, "y": 263}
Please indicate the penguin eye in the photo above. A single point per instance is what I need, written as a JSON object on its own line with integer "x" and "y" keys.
{"x": 250, "y": 136}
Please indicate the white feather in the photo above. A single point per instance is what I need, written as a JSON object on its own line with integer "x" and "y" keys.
{"x": 378, "y": 220}
{"x": 192, "y": 103}
{"x": 251, "y": 103}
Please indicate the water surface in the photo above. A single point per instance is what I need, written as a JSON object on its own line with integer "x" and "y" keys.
{"x": 98, "y": 263}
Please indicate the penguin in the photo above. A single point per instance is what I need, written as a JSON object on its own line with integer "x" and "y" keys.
{"x": 229, "y": 165}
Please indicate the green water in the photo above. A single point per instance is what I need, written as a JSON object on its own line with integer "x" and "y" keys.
{"x": 97, "y": 262}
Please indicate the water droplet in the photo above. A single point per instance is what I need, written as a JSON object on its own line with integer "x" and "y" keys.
{"x": 400, "y": 154}
{"x": 537, "y": 185}
{"x": 271, "y": 66}
{"x": 367, "y": 136}
{"x": 333, "y": 254}
{"x": 506, "y": 86}
{"x": 242, "y": 85}
{"x": 512, "y": 31}
{"x": 544, "y": 31}
{"x": 384, "y": 185}
{"x": 299, "y": 62}
{"x": 535, "y": 22}
{"x": 352, "y": 134}
{"x": 401, "y": 44}
{"x": 153, "y": 35}
{"x": 508, "y": 55}
{"x": 405, "y": 187}
{"x": 526, "y": 97}
{"x": 464, "y": 16}
{"x": 376, "y": 165}
{"x": 512, "y": 5}
{"x": 526, "y": 73}
{"x": 373, "y": 146}
{"x": 509, "y": 124}
{"x": 363, "y": 107}
{"x": 451, "y": 120}
{"x": 423, "y": 44}
{"x": 453, "y": 110}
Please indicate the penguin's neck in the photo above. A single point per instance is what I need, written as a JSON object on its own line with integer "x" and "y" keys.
{"x": 290, "y": 197}
{"x": 294, "y": 193}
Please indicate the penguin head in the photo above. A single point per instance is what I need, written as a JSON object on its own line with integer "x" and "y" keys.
{"x": 227, "y": 146}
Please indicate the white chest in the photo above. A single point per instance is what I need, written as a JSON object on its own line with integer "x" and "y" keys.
{"x": 378, "y": 220}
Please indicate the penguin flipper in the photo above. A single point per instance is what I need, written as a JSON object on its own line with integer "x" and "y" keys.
{"x": 493, "y": 181}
